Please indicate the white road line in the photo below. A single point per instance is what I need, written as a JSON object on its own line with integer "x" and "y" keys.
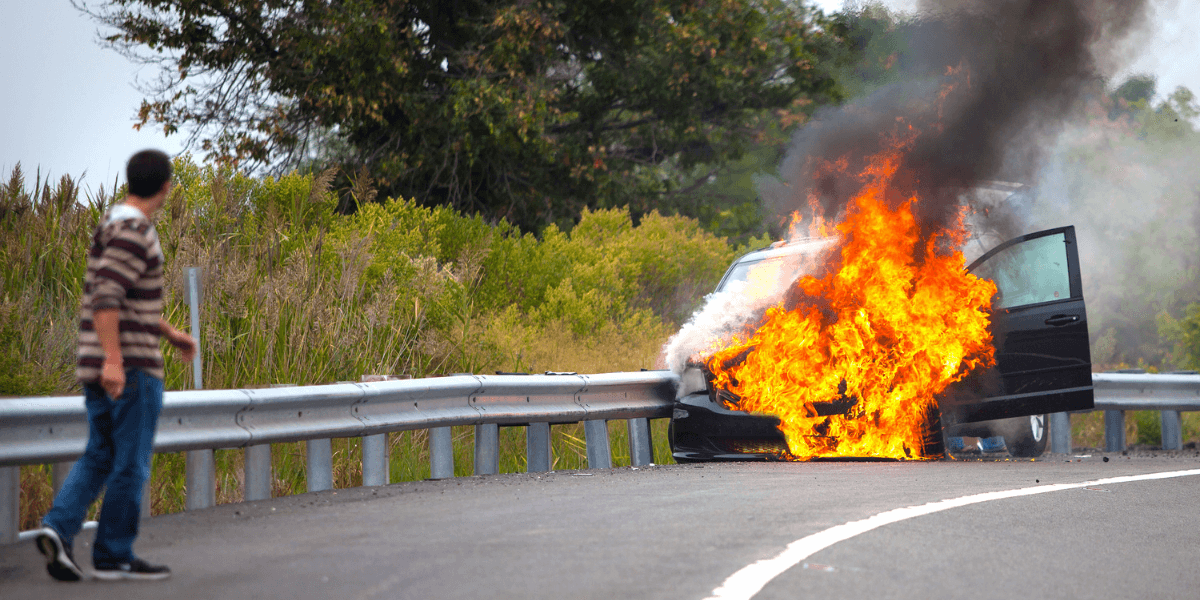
{"x": 748, "y": 581}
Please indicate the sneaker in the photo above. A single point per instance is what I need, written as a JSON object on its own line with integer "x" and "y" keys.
{"x": 60, "y": 562}
{"x": 135, "y": 569}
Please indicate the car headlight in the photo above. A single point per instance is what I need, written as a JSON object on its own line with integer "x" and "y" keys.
{"x": 691, "y": 382}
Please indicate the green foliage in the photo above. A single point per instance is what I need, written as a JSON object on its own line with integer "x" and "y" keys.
{"x": 1147, "y": 426}
{"x": 1128, "y": 178}
{"x": 874, "y": 49}
{"x": 401, "y": 232}
{"x": 1173, "y": 120}
{"x": 723, "y": 196}
{"x": 44, "y": 234}
{"x": 722, "y": 191}
{"x": 293, "y": 292}
{"x": 18, "y": 377}
{"x": 1137, "y": 88}
{"x": 606, "y": 269}
{"x": 524, "y": 111}
{"x": 876, "y": 46}
{"x": 1185, "y": 333}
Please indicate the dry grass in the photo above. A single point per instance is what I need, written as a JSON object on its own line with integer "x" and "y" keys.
{"x": 284, "y": 301}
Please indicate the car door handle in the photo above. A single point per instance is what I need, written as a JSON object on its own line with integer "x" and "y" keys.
{"x": 1060, "y": 320}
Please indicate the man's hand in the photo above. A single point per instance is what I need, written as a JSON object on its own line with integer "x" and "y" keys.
{"x": 112, "y": 372}
{"x": 112, "y": 378}
{"x": 184, "y": 342}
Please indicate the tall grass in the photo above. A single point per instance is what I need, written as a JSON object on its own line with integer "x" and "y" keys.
{"x": 293, "y": 292}
{"x": 43, "y": 240}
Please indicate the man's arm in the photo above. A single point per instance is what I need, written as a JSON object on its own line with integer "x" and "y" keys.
{"x": 184, "y": 342}
{"x": 112, "y": 372}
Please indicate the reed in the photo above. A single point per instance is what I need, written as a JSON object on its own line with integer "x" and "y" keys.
{"x": 293, "y": 292}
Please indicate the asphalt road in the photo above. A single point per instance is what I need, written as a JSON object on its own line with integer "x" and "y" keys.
{"x": 679, "y": 532}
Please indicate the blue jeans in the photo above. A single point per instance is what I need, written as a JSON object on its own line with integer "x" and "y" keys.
{"x": 117, "y": 459}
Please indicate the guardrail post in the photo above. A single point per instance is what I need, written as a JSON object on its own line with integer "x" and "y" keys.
{"x": 537, "y": 448}
{"x": 441, "y": 453}
{"x": 58, "y": 474}
{"x": 641, "y": 451}
{"x": 201, "y": 479}
{"x": 487, "y": 449}
{"x": 258, "y": 475}
{"x": 375, "y": 459}
{"x": 146, "y": 491}
{"x": 1060, "y": 433}
{"x": 10, "y": 504}
{"x": 200, "y": 475}
{"x": 1172, "y": 430}
{"x": 319, "y": 470}
{"x": 1114, "y": 431}
{"x": 598, "y": 452}
{"x": 191, "y": 285}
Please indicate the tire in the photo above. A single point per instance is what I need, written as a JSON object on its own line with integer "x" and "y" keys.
{"x": 1026, "y": 437}
{"x": 934, "y": 442}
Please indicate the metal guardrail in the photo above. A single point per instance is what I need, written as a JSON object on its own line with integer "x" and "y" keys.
{"x": 54, "y": 429}
{"x": 1115, "y": 393}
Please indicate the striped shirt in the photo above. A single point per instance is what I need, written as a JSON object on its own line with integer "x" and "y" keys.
{"x": 125, "y": 272}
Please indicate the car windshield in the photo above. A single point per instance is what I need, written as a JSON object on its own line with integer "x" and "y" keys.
{"x": 771, "y": 270}
{"x": 738, "y": 275}
{"x": 765, "y": 271}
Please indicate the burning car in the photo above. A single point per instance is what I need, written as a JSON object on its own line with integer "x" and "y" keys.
{"x": 1038, "y": 330}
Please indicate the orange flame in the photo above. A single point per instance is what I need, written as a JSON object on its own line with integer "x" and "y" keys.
{"x": 871, "y": 342}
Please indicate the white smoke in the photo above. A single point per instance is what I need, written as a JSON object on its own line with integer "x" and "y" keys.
{"x": 738, "y": 307}
{"x": 723, "y": 315}
{"x": 1133, "y": 197}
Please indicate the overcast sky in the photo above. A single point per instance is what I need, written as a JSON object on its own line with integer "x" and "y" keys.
{"x": 68, "y": 105}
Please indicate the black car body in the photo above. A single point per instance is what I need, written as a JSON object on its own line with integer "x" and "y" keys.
{"x": 1043, "y": 364}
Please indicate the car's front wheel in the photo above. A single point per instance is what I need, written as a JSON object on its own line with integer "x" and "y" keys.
{"x": 1026, "y": 437}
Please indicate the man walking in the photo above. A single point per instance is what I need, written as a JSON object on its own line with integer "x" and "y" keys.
{"x": 121, "y": 369}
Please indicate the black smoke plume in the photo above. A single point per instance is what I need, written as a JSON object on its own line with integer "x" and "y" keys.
{"x": 1018, "y": 67}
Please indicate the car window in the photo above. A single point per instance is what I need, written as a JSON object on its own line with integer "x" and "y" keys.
{"x": 1030, "y": 272}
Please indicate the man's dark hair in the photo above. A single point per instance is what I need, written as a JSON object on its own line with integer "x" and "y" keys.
{"x": 147, "y": 171}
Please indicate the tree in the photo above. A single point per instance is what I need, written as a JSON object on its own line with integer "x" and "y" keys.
{"x": 723, "y": 193}
{"x": 1137, "y": 88}
{"x": 528, "y": 110}
{"x": 1130, "y": 183}
{"x": 1132, "y": 96}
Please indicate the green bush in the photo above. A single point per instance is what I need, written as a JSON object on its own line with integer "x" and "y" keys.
{"x": 19, "y": 377}
{"x": 606, "y": 269}
{"x": 293, "y": 291}
{"x": 1184, "y": 333}
{"x": 44, "y": 236}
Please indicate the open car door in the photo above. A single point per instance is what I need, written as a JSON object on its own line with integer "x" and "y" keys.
{"x": 1039, "y": 326}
